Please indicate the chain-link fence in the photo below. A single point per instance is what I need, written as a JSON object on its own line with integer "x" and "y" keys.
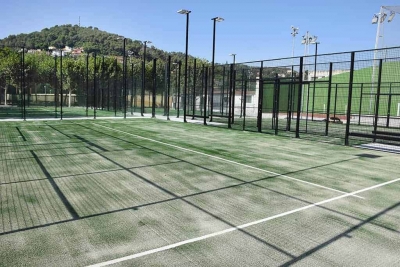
{"x": 346, "y": 97}
{"x": 349, "y": 98}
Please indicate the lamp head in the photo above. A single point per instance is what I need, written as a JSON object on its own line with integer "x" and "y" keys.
{"x": 184, "y": 11}
{"x": 392, "y": 14}
{"x": 218, "y": 19}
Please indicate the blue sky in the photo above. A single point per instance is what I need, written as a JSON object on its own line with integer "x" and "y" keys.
{"x": 253, "y": 29}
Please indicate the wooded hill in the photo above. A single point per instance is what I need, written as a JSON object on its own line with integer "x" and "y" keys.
{"x": 91, "y": 39}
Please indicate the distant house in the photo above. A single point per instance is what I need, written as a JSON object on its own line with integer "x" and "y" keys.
{"x": 67, "y": 49}
{"x": 34, "y": 51}
{"x": 57, "y": 53}
{"x": 64, "y": 51}
{"x": 77, "y": 51}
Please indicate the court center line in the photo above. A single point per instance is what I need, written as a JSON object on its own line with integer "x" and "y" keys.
{"x": 230, "y": 161}
{"x": 188, "y": 241}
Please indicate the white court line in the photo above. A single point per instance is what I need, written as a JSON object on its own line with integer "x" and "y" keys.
{"x": 178, "y": 244}
{"x": 227, "y": 160}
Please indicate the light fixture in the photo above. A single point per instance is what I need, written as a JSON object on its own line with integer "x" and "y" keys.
{"x": 184, "y": 11}
{"x": 375, "y": 19}
{"x": 383, "y": 17}
{"x": 295, "y": 31}
{"x": 218, "y": 19}
{"x": 313, "y": 39}
{"x": 234, "y": 58}
{"x": 392, "y": 14}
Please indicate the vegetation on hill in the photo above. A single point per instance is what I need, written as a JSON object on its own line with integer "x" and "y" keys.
{"x": 91, "y": 39}
{"x": 41, "y": 68}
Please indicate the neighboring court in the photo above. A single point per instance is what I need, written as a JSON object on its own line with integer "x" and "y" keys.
{"x": 153, "y": 192}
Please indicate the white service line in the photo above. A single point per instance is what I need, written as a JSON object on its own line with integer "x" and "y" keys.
{"x": 178, "y": 244}
{"x": 230, "y": 161}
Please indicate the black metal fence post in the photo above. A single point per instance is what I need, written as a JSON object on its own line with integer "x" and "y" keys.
{"x": 143, "y": 87}
{"x": 205, "y": 73}
{"x": 389, "y": 106}
{"x": 289, "y": 101}
{"x": 335, "y": 104}
{"x": 168, "y": 85}
{"x": 244, "y": 104}
{"x": 378, "y": 95}
{"x": 56, "y": 86}
{"x": 299, "y": 107}
{"x": 260, "y": 97}
{"x": 94, "y": 85}
{"x": 231, "y": 89}
{"x": 346, "y": 140}
{"x": 61, "y": 86}
{"x": 360, "y": 109}
{"x": 242, "y": 97}
{"x": 23, "y": 85}
{"x": 154, "y": 74}
{"x": 132, "y": 88}
{"x": 223, "y": 91}
{"x": 108, "y": 90}
{"x": 329, "y": 99}
{"x": 194, "y": 88}
{"x": 87, "y": 84}
{"x": 232, "y": 114}
{"x": 278, "y": 85}
{"x": 102, "y": 83}
{"x": 178, "y": 96}
{"x": 115, "y": 86}
{"x": 124, "y": 82}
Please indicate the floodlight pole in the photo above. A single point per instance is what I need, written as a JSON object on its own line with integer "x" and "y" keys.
{"x": 305, "y": 44}
{"x": 375, "y": 56}
{"x": 234, "y": 58}
{"x": 315, "y": 78}
{"x": 294, "y": 33}
{"x": 213, "y": 66}
{"x": 185, "y": 12}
